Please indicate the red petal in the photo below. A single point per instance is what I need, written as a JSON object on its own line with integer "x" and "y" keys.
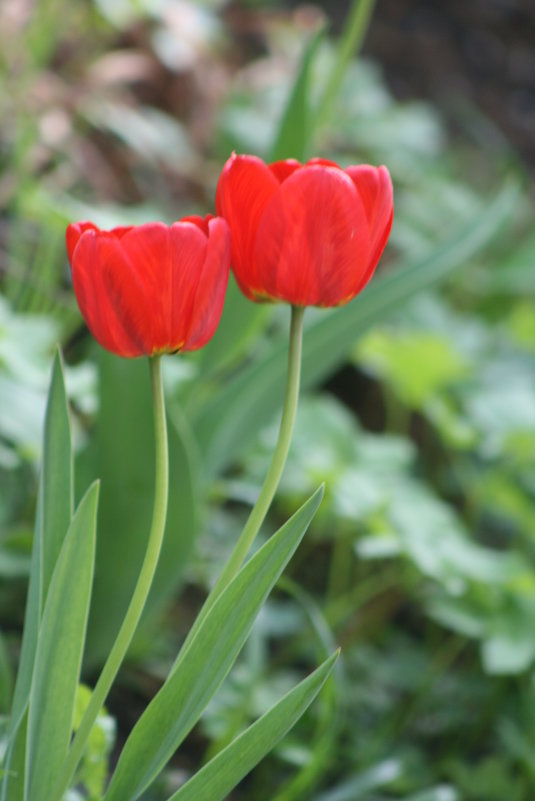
{"x": 245, "y": 187}
{"x": 200, "y": 222}
{"x": 74, "y": 232}
{"x": 374, "y": 186}
{"x": 312, "y": 245}
{"x": 149, "y": 252}
{"x": 207, "y": 305}
{"x": 189, "y": 245}
{"x": 111, "y": 296}
{"x": 283, "y": 169}
{"x": 322, "y": 163}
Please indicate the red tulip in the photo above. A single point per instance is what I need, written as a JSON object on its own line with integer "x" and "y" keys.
{"x": 307, "y": 234}
{"x": 152, "y": 288}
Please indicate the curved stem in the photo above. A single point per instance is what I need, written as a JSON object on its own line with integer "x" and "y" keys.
{"x": 141, "y": 590}
{"x": 271, "y": 482}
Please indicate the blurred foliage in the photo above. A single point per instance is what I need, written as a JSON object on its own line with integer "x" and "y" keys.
{"x": 419, "y": 410}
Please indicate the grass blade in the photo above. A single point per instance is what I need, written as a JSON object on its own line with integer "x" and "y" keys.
{"x": 206, "y": 661}
{"x": 59, "y": 652}
{"x": 216, "y": 779}
{"x": 53, "y": 517}
{"x": 295, "y": 128}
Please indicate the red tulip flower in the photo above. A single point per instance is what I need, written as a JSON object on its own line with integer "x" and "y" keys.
{"x": 151, "y": 289}
{"x": 311, "y": 234}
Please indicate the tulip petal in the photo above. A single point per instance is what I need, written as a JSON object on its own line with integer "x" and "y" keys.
{"x": 283, "y": 169}
{"x": 74, "y": 232}
{"x": 374, "y": 186}
{"x": 312, "y": 245}
{"x": 109, "y": 293}
{"x": 188, "y": 253}
{"x": 207, "y": 305}
{"x": 243, "y": 192}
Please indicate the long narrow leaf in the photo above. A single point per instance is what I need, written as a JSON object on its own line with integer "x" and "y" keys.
{"x": 206, "y": 661}
{"x": 226, "y": 424}
{"x": 295, "y": 129}
{"x": 59, "y": 652}
{"x": 225, "y": 770}
{"x": 53, "y": 517}
{"x": 13, "y": 766}
{"x": 355, "y": 29}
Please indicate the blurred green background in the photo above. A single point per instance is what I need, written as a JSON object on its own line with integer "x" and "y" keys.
{"x": 418, "y": 407}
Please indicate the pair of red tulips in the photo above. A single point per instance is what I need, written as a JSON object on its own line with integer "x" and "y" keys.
{"x": 308, "y": 235}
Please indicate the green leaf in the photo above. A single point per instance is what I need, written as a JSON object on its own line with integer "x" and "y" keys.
{"x": 355, "y": 28}
{"x": 93, "y": 770}
{"x": 59, "y": 652}
{"x": 122, "y": 455}
{"x": 358, "y": 787}
{"x": 14, "y": 764}
{"x": 6, "y": 677}
{"x": 223, "y": 772}
{"x": 295, "y": 126}
{"x": 57, "y": 477}
{"x": 204, "y": 664}
{"x": 229, "y": 422}
{"x": 442, "y": 792}
{"x": 53, "y": 517}
{"x": 418, "y": 364}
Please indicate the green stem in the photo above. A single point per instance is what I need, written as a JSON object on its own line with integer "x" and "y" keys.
{"x": 142, "y": 588}
{"x": 271, "y": 482}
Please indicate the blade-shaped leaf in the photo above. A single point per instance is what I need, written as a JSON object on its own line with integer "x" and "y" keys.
{"x": 53, "y": 517}
{"x": 226, "y": 424}
{"x": 206, "y": 661}
{"x": 355, "y": 28}
{"x": 59, "y": 652}
{"x": 216, "y": 779}
{"x": 295, "y": 127}
{"x": 13, "y": 778}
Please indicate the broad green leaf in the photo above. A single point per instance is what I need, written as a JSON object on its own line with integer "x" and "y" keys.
{"x": 418, "y": 364}
{"x": 216, "y": 779}
{"x": 53, "y": 517}
{"x": 206, "y": 661}
{"x": 122, "y": 455}
{"x": 59, "y": 652}
{"x": 228, "y": 423}
{"x": 295, "y": 127}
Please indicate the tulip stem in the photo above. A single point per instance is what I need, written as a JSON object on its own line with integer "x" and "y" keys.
{"x": 271, "y": 482}
{"x": 141, "y": 590}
